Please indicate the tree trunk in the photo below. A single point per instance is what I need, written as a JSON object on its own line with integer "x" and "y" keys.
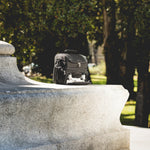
{"x": 110, "y": 43}
{"x": 143, "y": 96}
{"x": 130, "y": 57}
{"x": 95, "y": 54}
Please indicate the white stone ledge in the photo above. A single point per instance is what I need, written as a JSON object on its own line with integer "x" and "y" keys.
{"x": 29, "y": 118}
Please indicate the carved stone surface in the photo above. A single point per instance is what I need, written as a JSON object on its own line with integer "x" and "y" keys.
{"x": 9, "y": 72}
{"x": 71, "y": 118}
{"x": 38, "y": 116}
{"x": 6, "y": 48}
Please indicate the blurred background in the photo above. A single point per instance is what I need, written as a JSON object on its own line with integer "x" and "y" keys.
{"x": 114, "y": 35}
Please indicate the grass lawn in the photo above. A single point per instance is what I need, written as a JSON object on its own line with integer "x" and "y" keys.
{"x": 98, "y": 79}
{"x": 128, "y": 113}
{"x": 42, "y": 79}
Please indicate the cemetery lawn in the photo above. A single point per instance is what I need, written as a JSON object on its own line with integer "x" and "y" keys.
{"x": 42, "y": 79}
{"x": 128, "y": 113}
{"x": 98, "y": 79}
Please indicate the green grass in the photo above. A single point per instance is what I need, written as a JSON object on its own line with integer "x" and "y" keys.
{"x": 98, "y": 79}
{"x": 42, "y": 79}
{"x": 128, "y": 113}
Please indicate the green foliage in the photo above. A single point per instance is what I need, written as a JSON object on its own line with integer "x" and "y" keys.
{"x": 133, "y": 19}
{"x": 142, "y": 18}
{"x": 17, "y": 27}
{"x": 72, "y": 17}
{"x": 95, "y": 33}
{"x": 41, "y": 28}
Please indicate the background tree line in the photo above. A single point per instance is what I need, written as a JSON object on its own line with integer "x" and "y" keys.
{"x": 41, "y": 28}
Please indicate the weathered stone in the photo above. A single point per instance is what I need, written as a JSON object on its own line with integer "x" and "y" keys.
{"x": 9, "y": 72}
{"x": 38, "y": 116}
{"x": 6, "y": 48}
{"x": 73, "y": 118}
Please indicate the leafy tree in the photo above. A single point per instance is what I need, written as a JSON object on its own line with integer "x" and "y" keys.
{"x": 72, "y": 21}
{"x": 40, "y": 29}
{"x": 95, "y": 33}
{"x": 15, "y": 28}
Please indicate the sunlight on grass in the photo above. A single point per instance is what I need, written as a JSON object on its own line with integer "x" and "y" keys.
{"x": 129, "y": 107}
{"x": 98, "y": 79}
{"x": 128, "y": 113}
{"x": 42, "y": 79}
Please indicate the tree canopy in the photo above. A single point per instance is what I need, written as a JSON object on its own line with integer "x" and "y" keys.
{"x": 41, "y": 28}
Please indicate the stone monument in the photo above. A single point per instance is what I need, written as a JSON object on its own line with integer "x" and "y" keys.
{"x": 38, "y": 116}
{"x": 8, "y": 69}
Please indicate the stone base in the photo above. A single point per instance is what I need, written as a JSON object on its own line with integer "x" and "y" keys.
{"x": 9, "y": 72}
{"x": 62, "y": 118}
{"x": 118, "y": 140}
{"x": 35, "y": 116}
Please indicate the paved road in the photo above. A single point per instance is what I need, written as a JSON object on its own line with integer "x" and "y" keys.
{"x": 139, "y": 138}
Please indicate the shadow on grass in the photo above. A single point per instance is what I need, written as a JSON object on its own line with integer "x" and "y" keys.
{"x": 125, "y": 121}
{"x": 128, "y": 113}
{"x": 130, "y": 104}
